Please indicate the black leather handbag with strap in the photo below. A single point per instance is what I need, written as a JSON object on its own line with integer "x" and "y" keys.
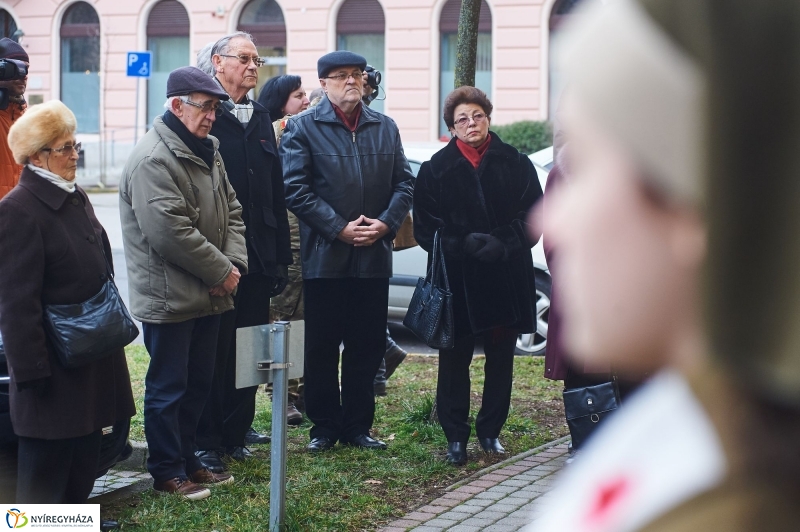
{"x": 84, "y": 332}
{"x": 430, "y": 312}
{"x": 586, "y": 407}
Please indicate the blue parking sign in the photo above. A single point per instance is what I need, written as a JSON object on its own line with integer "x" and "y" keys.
{"x": 139, "y": 64}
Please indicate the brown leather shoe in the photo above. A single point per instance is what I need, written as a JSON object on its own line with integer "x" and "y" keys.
{"x": 183, "y": 487}
{"x": 293, "y": 415}
{"x": 206, "y": 476}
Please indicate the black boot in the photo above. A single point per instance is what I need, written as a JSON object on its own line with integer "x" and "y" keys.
{"x": 457, "y": 453}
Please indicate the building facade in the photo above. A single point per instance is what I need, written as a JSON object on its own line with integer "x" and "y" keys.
{"x": 78, "y": 51}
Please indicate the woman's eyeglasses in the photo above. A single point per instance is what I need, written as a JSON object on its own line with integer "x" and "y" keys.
{"x": 66, "y": 149}
{"x": 245, "y": 59}
{"x": 464, "y": 120}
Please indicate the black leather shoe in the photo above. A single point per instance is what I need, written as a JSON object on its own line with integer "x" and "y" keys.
{"x": 491, "y": 445}
{"x": 211, "y": 460}
{"x": 365, "y": 442}
{"x": 239, "y": 454}
{"x": 380, "y": 389}
{"x": 456, "y": 453}
{"x": 393, "y": 358}
{"x": 320, "y": 444}
{"x": 107, "y": 524}
{"x": 254, "y": 438}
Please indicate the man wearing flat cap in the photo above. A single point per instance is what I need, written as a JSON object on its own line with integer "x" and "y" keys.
{"x": 348, "y": 182}
{"x": 185, "y": 250}
{"x": 9, "y": 169}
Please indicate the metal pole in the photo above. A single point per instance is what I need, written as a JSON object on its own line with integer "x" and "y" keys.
{"x": 277, "y": 484}
{"x": 136, "y": 120}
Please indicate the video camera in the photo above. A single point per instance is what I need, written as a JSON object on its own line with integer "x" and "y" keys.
{"x": 374, "y": 81}
{"x": 10, "y": 70}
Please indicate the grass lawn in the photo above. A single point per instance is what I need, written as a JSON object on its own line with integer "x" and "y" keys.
{"x": 348, "y": 489}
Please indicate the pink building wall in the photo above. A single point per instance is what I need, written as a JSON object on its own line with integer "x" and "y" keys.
{"x": 519, "y": 39}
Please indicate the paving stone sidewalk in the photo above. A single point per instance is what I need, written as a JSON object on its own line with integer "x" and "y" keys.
{"x": 502, "y": 498}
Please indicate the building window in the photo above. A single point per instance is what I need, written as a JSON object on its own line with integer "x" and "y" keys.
{"x": 361, "y": 28}
{"x": 168, "y": 40}
{"x": 558, "y": 15}
{"x": 448, "y": 29}
{"x": 263, "y": 19}
{"x": 8, "y": 27}
{"x": 80, "y": 65}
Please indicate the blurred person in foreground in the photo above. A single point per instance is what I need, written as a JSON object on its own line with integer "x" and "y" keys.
{"x": 652, "y": 224}
{"x": 284, "y": 96}
{"x": 55, "y": 253}
{"x": 9, "y": 169}
{"x": 476, "y": 192}
{"x": 349, "y": 183}
{"x": 250, "y": 154}
{"x": 185, "y": 248}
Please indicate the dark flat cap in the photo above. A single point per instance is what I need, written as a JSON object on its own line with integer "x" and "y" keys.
{"x": 12, "y": 50}
{"x": 185, "y": 80}
{"x": 339, "y": 59}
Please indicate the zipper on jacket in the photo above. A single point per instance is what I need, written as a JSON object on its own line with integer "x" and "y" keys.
{"x": 354, "y": 136}
{"x": 319, "y": 240}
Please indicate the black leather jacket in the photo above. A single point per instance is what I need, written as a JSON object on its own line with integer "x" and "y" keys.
{"x": 332, "y": 176}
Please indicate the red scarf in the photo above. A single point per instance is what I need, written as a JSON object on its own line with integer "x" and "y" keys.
{"x": 474, "y": 155}
{"x": 352, "y": 122}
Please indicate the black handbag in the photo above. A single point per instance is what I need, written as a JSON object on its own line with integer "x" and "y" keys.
{"x": 586, "y": 407}
{"x": 430, "y": 312}
{"x": 85, "y": 332}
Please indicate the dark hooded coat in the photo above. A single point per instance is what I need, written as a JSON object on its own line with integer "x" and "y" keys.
{"x": 495, "y": 198}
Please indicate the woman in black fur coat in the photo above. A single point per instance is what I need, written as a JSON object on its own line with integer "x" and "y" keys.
{"x": 477, "y": 191}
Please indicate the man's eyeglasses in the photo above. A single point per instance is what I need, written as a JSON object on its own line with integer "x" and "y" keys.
{"x": 205, "y": 107}
{"x": 245, "y": 59}
{"x": 464, "y": 120}
{"x": 66, "y": 149}
{"x": 344, "y": 77}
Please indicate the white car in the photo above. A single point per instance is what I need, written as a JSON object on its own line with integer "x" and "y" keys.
{"x": 410, "y": 264}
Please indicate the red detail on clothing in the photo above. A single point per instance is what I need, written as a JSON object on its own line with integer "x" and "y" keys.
{"x": 608, "y": 497}
{"x": 352, "y": 122}
{"x": 9, "y": 169}
{"x": 474, "y": 155}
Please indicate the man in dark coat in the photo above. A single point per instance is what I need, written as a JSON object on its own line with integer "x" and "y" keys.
{"x": 248, "y": 148}
{"x": 349, "y": 183}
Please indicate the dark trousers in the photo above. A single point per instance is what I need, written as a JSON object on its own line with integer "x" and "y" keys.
{"x": 229, "y": 412}
{"x": 57, "y": 471}
{"x": 353, "y": 312}
{"x": 453, "y": 386}
{"x": 176, "y": 388}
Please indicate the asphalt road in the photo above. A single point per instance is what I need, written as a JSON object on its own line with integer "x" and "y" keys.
{"x": 106, "y": 207}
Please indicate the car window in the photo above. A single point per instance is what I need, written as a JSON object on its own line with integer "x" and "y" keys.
{"x": 415, "y": 166}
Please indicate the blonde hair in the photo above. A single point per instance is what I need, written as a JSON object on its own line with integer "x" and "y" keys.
{"x": 39, "y": 126}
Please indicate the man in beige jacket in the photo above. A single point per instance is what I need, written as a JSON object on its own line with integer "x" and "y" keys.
{"x": 185, "y": 250}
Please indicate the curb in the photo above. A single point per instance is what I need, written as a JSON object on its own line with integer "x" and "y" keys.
{"x": 508, "y": 461}
{"x": 137, "y": 461}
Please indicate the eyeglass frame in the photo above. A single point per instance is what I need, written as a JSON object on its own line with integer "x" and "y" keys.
{"x": 218, "y": 110}
{"x": 254, "y": 58}
{"x": 460, "y": 122}
{"x": 339, "y": 77}
{"x": 77, "y": 148}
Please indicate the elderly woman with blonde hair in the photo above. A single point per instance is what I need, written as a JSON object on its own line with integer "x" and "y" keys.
{"x": 55, "y": 252}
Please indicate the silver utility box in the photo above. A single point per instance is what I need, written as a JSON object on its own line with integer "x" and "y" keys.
{"x": 256, "y": 346}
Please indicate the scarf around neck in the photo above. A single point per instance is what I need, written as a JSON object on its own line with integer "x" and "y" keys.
{"x": 474, "y": 155}
{"x": 202, "y": 148}
{"x": 56, "y": 179}
{"x": 352, "y": 122}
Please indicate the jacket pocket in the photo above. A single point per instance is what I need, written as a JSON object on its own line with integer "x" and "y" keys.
{"x": 184, "y": 293}
{"x": 269, "y": 218}
{"x": 269, "y": 148}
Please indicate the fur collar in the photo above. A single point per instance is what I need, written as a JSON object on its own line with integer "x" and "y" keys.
{"x": 450, "y": 156}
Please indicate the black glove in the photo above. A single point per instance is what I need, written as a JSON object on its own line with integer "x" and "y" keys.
{"x": 281, "y": 280}
{"x": 493, "y": 250}
{"x": 473, "y": 243}
{"x": 37, "y": 386}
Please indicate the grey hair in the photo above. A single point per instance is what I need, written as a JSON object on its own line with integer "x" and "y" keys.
{"x": 223, "y": 46}
{"x": 204, "y": 59}
{"x": 168, "y": 103}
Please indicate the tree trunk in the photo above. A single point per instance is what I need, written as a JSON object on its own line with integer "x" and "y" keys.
{"x": 467, "y": 47}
